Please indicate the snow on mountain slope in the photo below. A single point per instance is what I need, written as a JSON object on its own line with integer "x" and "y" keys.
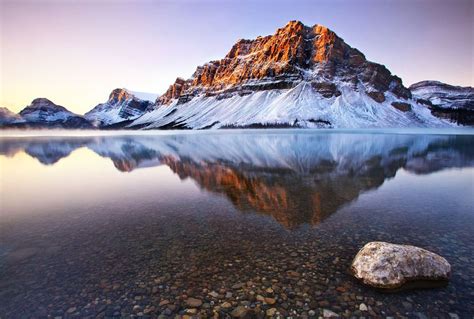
{"x": 122, "y": 105}
{"x": 452, "y": 103}
{"x": 8, "y": 117}
{"x": 300, "y": 106}
{"x": 298, "y": 77}
{"x": 145, "y": 95}
{"x": 444, "y": 95}
{"x": 44, "y": 113}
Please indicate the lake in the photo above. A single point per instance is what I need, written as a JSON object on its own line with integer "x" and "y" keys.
{"x": 123, "y": 224}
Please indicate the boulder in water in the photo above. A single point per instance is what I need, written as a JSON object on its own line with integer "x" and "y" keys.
{"x": 390, "y": 266}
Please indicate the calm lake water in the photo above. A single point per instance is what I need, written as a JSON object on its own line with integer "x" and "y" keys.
{"x": 134, "y": 225}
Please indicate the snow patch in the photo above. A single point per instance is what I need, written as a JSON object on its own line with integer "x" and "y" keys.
{"x": 301, "y": 106}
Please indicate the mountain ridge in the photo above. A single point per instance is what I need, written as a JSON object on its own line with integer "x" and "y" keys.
{"x": 300, "y": 76}
{"x": 444, "y": 95}
{"x": 290, "y": 51}
{"x": 43, "y": 113}
{"x": 454, "y": 103}
{"x": 7, "y": 116}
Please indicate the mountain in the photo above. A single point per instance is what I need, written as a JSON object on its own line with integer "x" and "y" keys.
{"x": 455, "y": 103}
{"x": 300, "y": 76}
{"x": 122, "y": 105}
{"x": 8, "y": 117}
{"x": 42, "y": 113}
{"x": 444, "y": 95}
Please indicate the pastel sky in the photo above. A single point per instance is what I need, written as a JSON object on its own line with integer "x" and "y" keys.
{"x": 75, "y": 52}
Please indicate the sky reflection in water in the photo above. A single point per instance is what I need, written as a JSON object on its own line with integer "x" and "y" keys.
{"x": 87, "y": 218}
{"x": 296, "y": 177}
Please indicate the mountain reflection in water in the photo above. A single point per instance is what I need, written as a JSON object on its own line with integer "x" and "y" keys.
{"x": 295, "y": 177}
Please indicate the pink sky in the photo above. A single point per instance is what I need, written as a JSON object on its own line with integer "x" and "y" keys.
{"x": 76, "y": 52}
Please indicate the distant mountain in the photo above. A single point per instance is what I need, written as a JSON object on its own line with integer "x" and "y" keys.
{"x": 444, "y": 95}
{"x": 122, "y": 105}
{"x": 455, "y": 103}
{"x": 42, "y": 113}
{"x": 300, "y": 76}
{"x": 8, "y": 117}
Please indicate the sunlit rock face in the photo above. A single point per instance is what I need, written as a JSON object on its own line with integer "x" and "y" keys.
{"x": 455, "y": 103}
{"x": 390, "y": 266}
{"x": 301, "y": 76}
{"x": 296, "y": 178}
{"x": 122, "y": 105}
{"x": 279, "y": 61}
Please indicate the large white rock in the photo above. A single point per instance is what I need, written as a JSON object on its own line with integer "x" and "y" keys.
{"x": 390, "y": 266}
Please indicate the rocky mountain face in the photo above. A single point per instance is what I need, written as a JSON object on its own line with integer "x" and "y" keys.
{"x": 42, "y": 113}
{"x": 8, "y": 117}
{"x": 455, "y": 103}
{"x": 444, "y": 95}
{"x": 300, "y": 76}
{"x": 43, "y": 109}
{"x": 122, "y": 105}
{"x": 279, "y": 61}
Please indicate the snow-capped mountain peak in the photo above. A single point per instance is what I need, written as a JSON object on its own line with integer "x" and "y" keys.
{"x": 301, "y": 76}
{"x": 122, "y": 105}
{"x": 44, "y": 113}
{"x": 42, "y": 107}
